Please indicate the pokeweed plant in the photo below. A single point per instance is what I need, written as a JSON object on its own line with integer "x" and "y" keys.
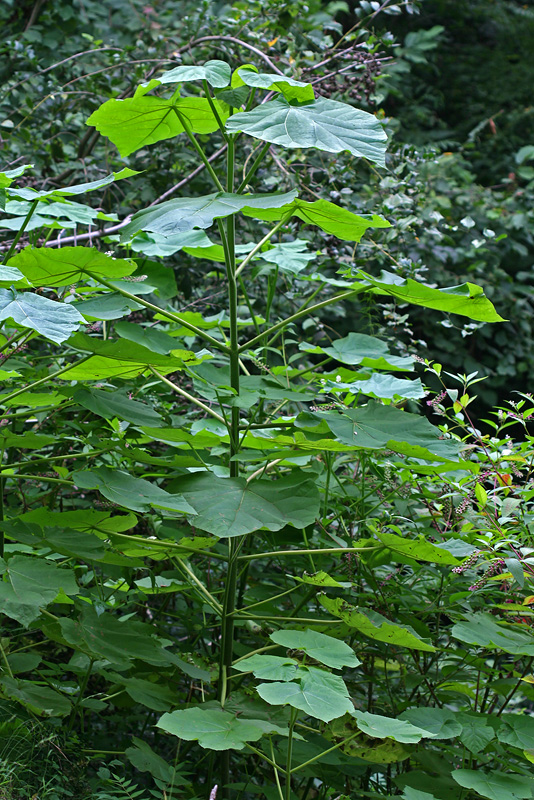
{"x": 234, "y": 450}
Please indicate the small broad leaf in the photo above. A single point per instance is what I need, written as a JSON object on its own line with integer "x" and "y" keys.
{"x": 318, "y": 693}
{"x": 54, "y": 321}
{"x": 476, "y": 734}
{"x": 289, "y": 87}
{"x": 12, "y": 277}
{"x": 194, "y": 242}
{"x": 385, "y": 387}
{"x": 485, "y": 631}
{"x": 140, "y": 121}
{"x": 269, "y": 668}
{"x": 290, "y": 257}
{"x": 517, "y": 730}
{"x": 29, "y": 583}
{"x": 8, "y": 176}
{"x": 325, "y": 649}
{"x": 385, "y": 727}
{"x": 44, "y": 266}
{"x": 41, "y": 700}
{"x": 335, "y": 220}
{"x": 495, "y": 785}
{"x": 232, "y": 507}
{"x": 152, "y": 695}
{"x": 419, "y": 548}
{"x": 216, "y": 73}
{"x": 80, "y": 188}
{"x": 133, "y": 493}
{"x": 467, "y": 299}
{"x": 117, "y": 404}
{"x": 184, "y": 214}
{"x": 439, "y": 721}
{"x": 213, "y": 728}
{"x": 124, "y": 359}
{"x": 368, "y": 351}
{"x": 373, "y": 624}
{"x": 323, "y": 124}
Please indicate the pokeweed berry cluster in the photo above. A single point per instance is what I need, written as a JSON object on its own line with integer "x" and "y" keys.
{"x": 494, "y": 568}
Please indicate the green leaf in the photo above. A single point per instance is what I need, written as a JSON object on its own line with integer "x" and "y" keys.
{"x": 320, "y": 578}
{"x": 375, "y": 426}
{"x": 290, "y": 257}
{"x": 415, "y": 794}
{"x": 335, "y": 220}
{"x": 439, "y": 721}
{"x": 467, "y": 299}
{"x": 129, "y": 492}
{"x": 214, "y": 729}
{"x": 325, "y": 649}
{"x": 12, "y": 277}
{"x": 194, "y": 242}
{"x": 124, "y": 359}
{"x": 324, "y": 124}
{"x": 495, "y": 785}
{"x": 29, "y": 583}
{"x": 185, "y": 213}
{"x": 110, "y": 305}
{"x": 476, "y": 734}
{"x": 54, "y": 321}
{"x": 384, "y": 387}
{"x": 7, "y": 177}
{"x": 358, "y": 348}
{"x": 140, "y": 121}
{"x": 485, "y": 631}
{"x": 216, "y": 73}
{"x": 118, "y": 641}
{"x": 374, "y": 625}
{"x": 419, "y": 548}
{"x": 36, "y": 698}
{"x": 269, "y": 668}
{"x": 517, "y": 730}
{"x": 117, "y": 404}
{"x": 289, "y": 87}
{"x": 318, "y": 693}
{"x": 149, "y": 694}
{"x": 151, "y": 338}
{"x": 380, "y": 727}
{"x": 44, "y": 266}
{"x": 80, "y": 188}
{"x": 230, "y": 507}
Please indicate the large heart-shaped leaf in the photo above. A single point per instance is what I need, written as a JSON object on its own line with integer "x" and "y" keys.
{"x": 269, "y": 668}
{"x": 325, "y": 649}
{"x": 439, "y": 721}
{"x": 44, "y": 266}
{"x": 485, "y": 631}
{"x": 140, "y": 121}
{"x": 214, "y": 728}
{"x": 129, "y": 492}
{"x": 368, "y": 351}
{"x": 54, "y": 321}
{"x": 29, "y": 583}
{"x": 232, "y": 507}
{"x": 375, "y": 426}
{"x": 332, "y": 219}
{"x": 289, "y": 87}
{"x": 324, "y": 124}
{"x": 186, "y": 213}
{"x": 381, "y": 727}
{"x": 374, "y": 625}
{"x": 318, "y": 693}
{"x": 125, "y": 359}
{"x": 117, "y": 404}
{"x": 495, "y": 785}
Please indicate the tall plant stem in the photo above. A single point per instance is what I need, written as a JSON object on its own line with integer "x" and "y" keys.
{"x": 229, "y": 600}
{"x": 292, "y": 721}
{"x": 302, "y": 313}
{"x": 21, "y": 230}
{"x": 167, "y": 314}
{"x": 200, "y": 151}
{"x": 47, "y": 378}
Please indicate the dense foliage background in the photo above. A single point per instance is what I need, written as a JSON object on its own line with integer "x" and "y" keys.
{"x": 451, "y": 81}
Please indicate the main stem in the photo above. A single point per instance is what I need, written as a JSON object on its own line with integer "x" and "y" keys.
{"x": 227, "y": 617}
